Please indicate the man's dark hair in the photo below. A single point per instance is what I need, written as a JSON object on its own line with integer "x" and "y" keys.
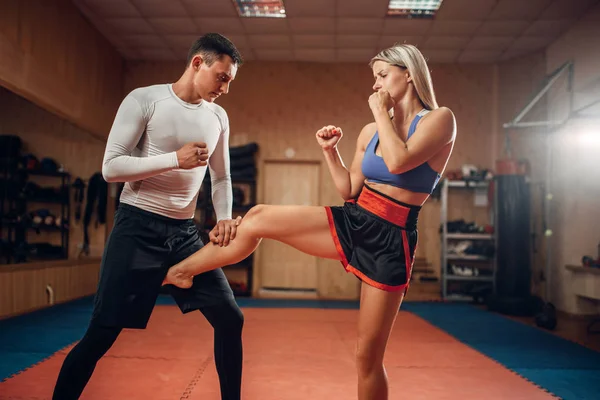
{"x": 213, "y": 46}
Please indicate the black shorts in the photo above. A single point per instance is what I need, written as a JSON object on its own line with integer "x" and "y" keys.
{"x": 140, "y": 249}
{"x": 376, "y": 238}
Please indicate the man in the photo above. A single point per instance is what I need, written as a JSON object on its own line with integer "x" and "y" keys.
{"x": 163, "y": 139}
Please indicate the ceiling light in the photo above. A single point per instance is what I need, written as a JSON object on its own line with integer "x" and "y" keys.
{"x": 413, "y": 8}
{"x": 260, "y": 8}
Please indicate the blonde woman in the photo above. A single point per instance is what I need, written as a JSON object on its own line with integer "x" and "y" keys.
{"x": 397, "y": 164}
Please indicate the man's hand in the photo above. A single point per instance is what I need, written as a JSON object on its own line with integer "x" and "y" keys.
{"x": 192, "y": 155}
{"x": 224, "y": 231}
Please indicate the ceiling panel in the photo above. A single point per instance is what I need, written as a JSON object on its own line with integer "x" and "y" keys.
{"x": 359, "y": 25}
{"x": 173, "y": 25}
{"x": 314, "y": 25}
{"x": 265, "y": 25}
{"x": 551, "y": 28}
{"x": 502, "y": 28}
{"x": 389, "y": 41}
{"x": 270, "y": 41}
{"x": 446, "y": 42}
{"x": 130, "y": 25}
{"x": 309, "y": 8}
{"x": 356, "y": 41}
{"x": 465, "y": 10}
{"x": 110, "y": 8}
{"x": 362, "y": 8}
{"x": 209, "y": 8}
{"x": 440, "y": 56}
{"x": 224, "y": 25}
{"x": 567, "y": 9}
{"x": 180, "y": 41}
{"x": 479, "y": 56}
{"x": 337, "y": 30}
{"x": 355, "y": 55}
{"x": 454, "y": 28}
{"x": 490, "y": 42}
{"x": 160, "y": 8}
{"x": 406, "y": 26}
{"x": 313, "y": 41}
{"x": 519, "y": 10}
{"x": 315, "y": 55}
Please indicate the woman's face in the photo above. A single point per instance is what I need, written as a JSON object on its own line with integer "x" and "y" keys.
{"x": 390, "y": 78}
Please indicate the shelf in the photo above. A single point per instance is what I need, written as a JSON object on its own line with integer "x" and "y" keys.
{"x": 451, "y": 277}
{"x": 458, "y": 297}
{"x": 468, "y": 184}
{"x": 467, "y": 257}
{"x": 42, "y": 227}
{"x": 470, "y": 236}
{"x": 44, "y": 173}
{"x": 480, "y": 259}
{"x": 46, "y": 200}
{"x": 49, "y": 228}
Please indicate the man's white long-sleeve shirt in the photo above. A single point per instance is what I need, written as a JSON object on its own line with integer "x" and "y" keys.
{"x": 152, "y": 123}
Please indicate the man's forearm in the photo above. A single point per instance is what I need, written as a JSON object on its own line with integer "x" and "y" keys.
{"x": 222, "y": 197}
{"x": 124, "y": 168}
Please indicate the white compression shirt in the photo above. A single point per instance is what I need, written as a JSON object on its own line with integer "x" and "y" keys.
{"x": 152, "y": 123}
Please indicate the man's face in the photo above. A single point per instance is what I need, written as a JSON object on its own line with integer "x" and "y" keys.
{"x": 212, "y": 81}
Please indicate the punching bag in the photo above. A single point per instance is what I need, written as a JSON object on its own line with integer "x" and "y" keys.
{"x": 513, "y": 263}
{"x": 513, "y": 257}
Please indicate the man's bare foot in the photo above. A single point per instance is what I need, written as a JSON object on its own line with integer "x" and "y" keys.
{"x": 177, "y": 277}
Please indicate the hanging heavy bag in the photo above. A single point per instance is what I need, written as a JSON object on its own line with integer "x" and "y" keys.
{"x": 97, "y": 196}
{"x": 78, "y": 194}
{"x": 10, "y": 150}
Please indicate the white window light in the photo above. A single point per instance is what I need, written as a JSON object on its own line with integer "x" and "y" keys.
{"x": 260, "y": 8}
{"x": 414, "y": 8}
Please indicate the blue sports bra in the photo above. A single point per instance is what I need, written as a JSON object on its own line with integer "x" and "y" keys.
{"x": 421, "y": 179}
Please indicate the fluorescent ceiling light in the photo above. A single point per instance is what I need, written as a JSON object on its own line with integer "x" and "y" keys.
{"x": 414, "y": 8}
{"x": 260, "y": 8}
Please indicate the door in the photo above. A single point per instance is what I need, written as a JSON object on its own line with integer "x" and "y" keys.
{"x": 283, "y": 267}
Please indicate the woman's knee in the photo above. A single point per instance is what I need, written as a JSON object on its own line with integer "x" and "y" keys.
{"x": 253, "y": 218}
{"x": 368, "y": 357}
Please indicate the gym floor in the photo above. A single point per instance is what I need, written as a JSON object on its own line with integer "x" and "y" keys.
{"x": 436, "y": 351}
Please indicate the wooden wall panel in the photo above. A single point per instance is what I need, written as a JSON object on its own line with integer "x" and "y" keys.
{"x": 52, "y": 56}
{"x": 281, "y": 105}
{"x": 24, "y": 288}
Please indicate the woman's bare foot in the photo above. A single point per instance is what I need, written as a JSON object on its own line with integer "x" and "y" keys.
{"x": 177, "y": 277}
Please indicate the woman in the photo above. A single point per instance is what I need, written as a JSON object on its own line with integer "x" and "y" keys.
{"x": 398, "y": 162}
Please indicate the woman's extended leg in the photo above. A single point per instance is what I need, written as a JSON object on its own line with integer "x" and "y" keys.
{"x": 378, "y": 310}
{"x": 305, "y": 228}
